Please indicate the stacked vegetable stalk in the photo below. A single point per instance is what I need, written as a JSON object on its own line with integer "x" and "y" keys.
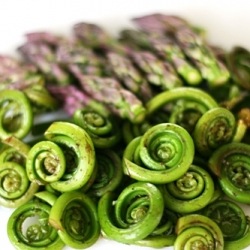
{"x": 152, "y": 148}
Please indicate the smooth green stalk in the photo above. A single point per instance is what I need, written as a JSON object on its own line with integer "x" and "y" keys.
{"x": 46, "y": 196}
{"x": 40, "y": 98}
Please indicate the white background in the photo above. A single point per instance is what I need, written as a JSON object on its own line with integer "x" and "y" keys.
{"x": 227, "y": 23}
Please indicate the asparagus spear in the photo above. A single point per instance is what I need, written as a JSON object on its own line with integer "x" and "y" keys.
{"x": 159, "y": 23}
{"x": 71, "y": 52}
{"x": 156, "y": 71}
{"x": 191, "y": 43}
{"x": 167, "y": 49}
{"x": 92, "y": 35}
{"x": 42, "y": 55}
{"x": 70, "y": 97}
{"x": 110, "y": 92}
{"x": 18, "y": 75}
{"x": 202, "y": 56}
{"x": 123, "y": 69}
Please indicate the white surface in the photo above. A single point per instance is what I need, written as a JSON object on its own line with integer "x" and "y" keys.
{"x": 227, "y": 23}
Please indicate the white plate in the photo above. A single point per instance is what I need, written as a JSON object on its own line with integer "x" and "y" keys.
{"x": 227, "y": 23}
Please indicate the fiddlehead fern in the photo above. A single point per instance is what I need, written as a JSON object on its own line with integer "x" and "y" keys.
{"x": 241, "y": 243}
{"x": 10, "y": 154}
{"x": 45, "y": 162}
{"x": 16, "y": 114}
{"x": 189, "y": 193}
{"x": 231, "y": 164}
{"x": 229, "y": 216}
{"x": 40, "y": 98}
{"x": 133, "y": 215}
{"x": 190, "y": 103}
{"x": 186, "y": 113}
{"x": 161, "y": 155}
{"x": 15, "y": 187}
{"x": 99, "y": 124}
{"x": 164, "y": 234}
{"x": 74, "y": 216}
{"x": 131, "y": 130}
{"x": 196, "y": 232}
{"x": 109, "y": 172}
{"x": 28, "y": 227}
{"x": 214, "y": 128}
{"x": 79, "y": 153}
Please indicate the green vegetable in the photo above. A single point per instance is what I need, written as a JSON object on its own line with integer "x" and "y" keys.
{"x": 74, "y": 217}
{"x": 79, "y": 151}
{"x": 198, "y": 231}
{"x": 189, "y": 193}
{"x": 15, "y": 114}
{"x": 230, "y": 163}
{"x": 161, "y": 155}
{"x": 147, "y": 144}
{"x": 137, "y": 212}
{"x": 39, "y": 234}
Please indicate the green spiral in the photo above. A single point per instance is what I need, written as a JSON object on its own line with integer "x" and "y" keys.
{"x": 74, "y": 216}
{"x": 231, "y": 164}
{"x": 241, "y": 243}
{"x": 99, "y": 124}
{"x": 131, "y": 130}
{"x": 214, "y": 128}
{"x": 79, "y": 153}
{"x": 229, "y": 216}
{"x": 195, "y": 231}
{"x": 187, "y": 105}
{"x": 189, "y": 193}
{"x": 16, "y": 188}
{"x": 109, "y": 172}
{"x": 28, "y": 227}
{"x": 164, "y": 234}
{"x": 133, "y": 215}
{"x": 45, "y": 162}
{"x": 161, "y": 155}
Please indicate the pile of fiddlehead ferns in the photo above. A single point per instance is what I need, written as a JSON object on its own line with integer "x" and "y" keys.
{"x": 152, "y": 148}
